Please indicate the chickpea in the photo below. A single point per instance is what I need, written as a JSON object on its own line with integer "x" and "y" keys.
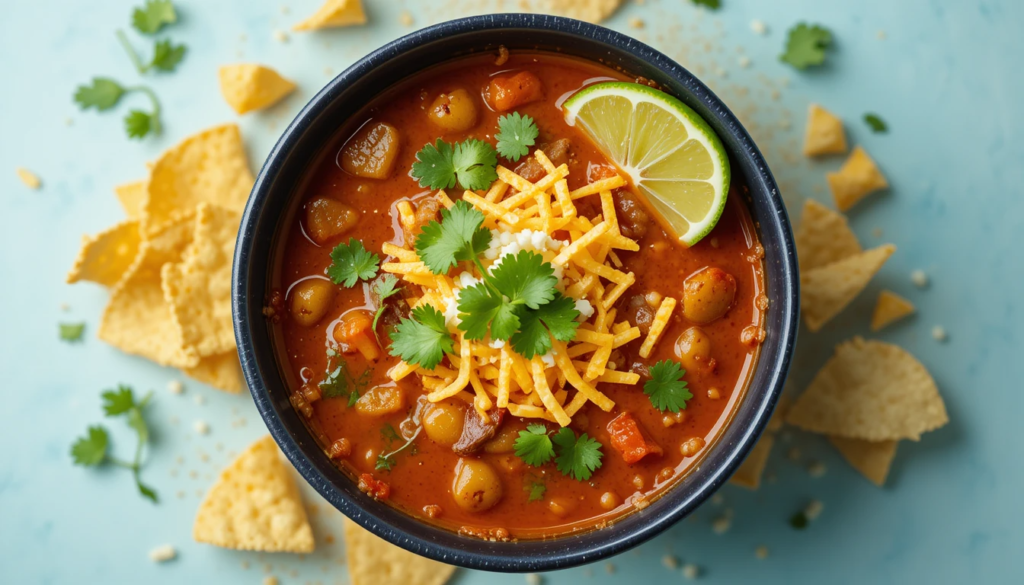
{"x": 561, "y": 507}
{"x": 638, "y": 482}
{"x": 327, "y": 219}
{"x": 708, "y": 294}
{"x": 380, "y": 400}
{"x": 664, "y": 475}
{"x": 503, "y": 442}
{"x": 476, "y": 486}
{"x": 714, "y": 393}
{"x": 610, "y": 500}
{"x": 311, "y": 299}
{"x": 691, "y": 446}
{"x": 454, "y": 111}
{"x": 372, "y": 152}
{"x": 443, "y": 423}
{"x": 693, "y": 348}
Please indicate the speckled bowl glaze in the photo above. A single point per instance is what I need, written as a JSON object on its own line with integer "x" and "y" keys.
{"x": 313, "y": 129}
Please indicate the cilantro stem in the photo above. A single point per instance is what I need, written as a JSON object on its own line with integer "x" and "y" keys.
{"x": 155, "y": 116}
{"x": 131, "y": 52}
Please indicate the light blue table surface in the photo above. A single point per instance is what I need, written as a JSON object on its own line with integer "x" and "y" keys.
{"x": 946, "y": 76}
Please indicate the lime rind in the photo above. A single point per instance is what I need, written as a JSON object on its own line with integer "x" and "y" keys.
{"x": 638, "y": 153}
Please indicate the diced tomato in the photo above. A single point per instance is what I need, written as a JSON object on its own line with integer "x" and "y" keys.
{"x": 629, "y": 439}
{"x": 505, "y": 93}
{"x": 373, "y": 487}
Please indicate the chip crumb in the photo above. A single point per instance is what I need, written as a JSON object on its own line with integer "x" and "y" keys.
{"x": 881, "y": 35}
{"x": 814, "y": 509}
{"x": 175, "y": 387}
{"x": 759, "y": 27}
{"x": 720, "y": 72}
{"x": 793, "y": 454}
{"x": 691, "y": 571}
{"x": 405, "y": 18}
{"x": 201, "y": 427}
{"x": 816, "y": 469}
{"x": 199, "y": 400}
{"x": 939, "y": 333}
{"x": 69, "y": 122}
{"x": 285, "y": 9}
{"x": 280, "y": 36}
{"x": 761, "y": 552}
{"x": 609, "y": 568}
{"x": 533, "y": 579}
{"x": 30, "y": 179}
{"x": 636, "y": 22}
{"x": 718, "y": 499}
{"x": 163, "y": 553}
{"x": 670, "y": 562}
{"x": 919, "y": 278}
{"x": 270, "y": 580}
{"x": 743, "y": 61}
{"x": 65, "y": 307}
{"x": 721, "y": 525}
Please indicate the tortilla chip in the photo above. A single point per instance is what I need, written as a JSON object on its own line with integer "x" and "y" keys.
{"x": 138, "y": 319}
{"x": 826, "y": 291}
{"x": 207, "y": 167}
{"x": 335, "y": 13}
{"x": 372, "y": 561}
{"x": 220, "y": 371}
{"x": 105, "y": 257}
{"x": 824, "y": 133}
{"x": 823, "y": 237}
{"x": 30, "y": 179}
{"x": 589, "y": 10}
{"x": 873, "y": 391}
{"x": 248, "y": 87}
{"x": 858, "y": 178}
{"x": 890, "y": 307}
{"x": 199, "y": 287}
{"x": 750, "y": 472}
{"x": 131, "y": 196}
{"x": 871, "y": 459}
{"x": 255, "y": 505}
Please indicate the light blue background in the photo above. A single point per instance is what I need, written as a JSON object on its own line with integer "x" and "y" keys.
{"x": 947, "y": 79}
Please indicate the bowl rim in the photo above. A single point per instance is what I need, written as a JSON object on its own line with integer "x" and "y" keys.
{"x": 558, "y": 552}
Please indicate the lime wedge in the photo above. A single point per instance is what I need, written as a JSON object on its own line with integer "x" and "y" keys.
{"x": 671, "y": 154}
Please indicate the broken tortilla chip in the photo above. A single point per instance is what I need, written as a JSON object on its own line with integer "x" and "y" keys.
{"x": 823, "y": 237}
{"x": 890, "y": 307}
{"x": 221, "y": 371}
{"x": 856, "y": 179}
{"x": 198, "y": 288}
{"x": 593, "y": 11}
{"x": 30, "y": 179}
{"x": 138, "y": 319}
{"x": 131, "y": 196}
{"x": 247, "y": 87}
{"x": 826, "y": 291}
{"x": 373, "y": 561}
{"x": 255, "y": 505}
{"x": 750, "y": 472}
{"x": 209, "y": 167}
{"x": 871, "y": 459}
{"x": 334, "y": 13}
{"x": 106, "y": 257}
{"x": 824, "y": 132}
{"x": 873, "y": 391}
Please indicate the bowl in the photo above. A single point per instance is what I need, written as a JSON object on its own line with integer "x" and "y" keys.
{"x": 315, "y": 126}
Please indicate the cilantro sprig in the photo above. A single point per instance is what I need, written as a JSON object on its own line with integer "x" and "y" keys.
{"x": 422, "y": 339}
{"x": 151, "y": 17}
{"x": 470, "y": 163}
{"x": 520, "y": 280}
{"x": 666, "y": 388}
{"x": 71, "y": 332}
{"x": 384, "y": 288}
{"x": 534, "y": 446}
{"x": 576, "y": 457}
{"x": 458, "y": 238}
{"x": 536, "y": 490}
{"x": 516, "y": 134}
{"x": 339, "y": 382}
{"x": 352, "y": 262}
{"x": 105, "y": 93}
{"x": 387, "y": 461}
{"x": 712, "y": 4}
{"x": 92, "y": 449}
{"x": 806, "y": 45}
{"x": 166, "y": 55}
{"x": 876, "y": 123}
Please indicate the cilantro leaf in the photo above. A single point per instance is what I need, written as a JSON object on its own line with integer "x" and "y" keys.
{"x": 383, "y": 289}
{"x": 712, "y": 4}
{"x": 516, "y": 134}
{"x": 389, "y": 434}
{"x": 351, "y": 262}
{"x": 577, "y": 457}
{"x": 91, "y": 449}
{"x": 522, "y": 280}
{"x": 459, "y": 237}
{"x": 71, "y": 331}
{"x": 526, "y": 279}
{"x": 118, "y": 401}
{"x": 536, "y": 490}
{"x": 338, "y": 382}
{"x": 475, "y": 162}
{"x": 153, "y": 16}
{"x": 666, "y": 388}
{"x": 145, "y": 490}
{"x": 876, "y": 123}
{"x": 384, "y": 462}
{"x": 138, "y": 124}
{"x": 806, "y": 45}
{"x": 166, "y": 56}
{"x": 557, "y": 318}
{"x": 423, "y": 339}
{"x": 102, "y": 94}
{"x": 534, "y": 445}
{"x": 470, "y": 163}
{"x": 480, "y": 306}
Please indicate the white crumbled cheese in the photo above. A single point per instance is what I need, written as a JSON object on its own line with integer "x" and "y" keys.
{"x": 505, "y": 243}
{"x": 496, "y": 343}
{"x": 466, "y": 280}
{"x": 691, "y": 571}
{"x": 814, "y": 509}
{"x": 163, "y": 553}
{"x": 758, "y": 27}
{"x": 548, "y": 359}
{"x": 919, "y": 278}
{"x": 939, "y": 333}
{"x": 585, "y": 308}
{"x": 451, "y": 309}
{"x": 201, "y": 427}
{"x": 175, "y": 387}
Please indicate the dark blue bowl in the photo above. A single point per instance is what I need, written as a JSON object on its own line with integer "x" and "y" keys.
{"x": 274, "y": 196}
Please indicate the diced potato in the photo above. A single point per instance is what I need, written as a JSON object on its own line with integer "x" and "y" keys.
{"x": 380, "y": 400}
{"x": 708, "y": 294}
{"x": 327, "y": 219}
{"x": 311, "y": 300}
{"x": 454, "y": 111}
{"x": 372, "y": 152}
